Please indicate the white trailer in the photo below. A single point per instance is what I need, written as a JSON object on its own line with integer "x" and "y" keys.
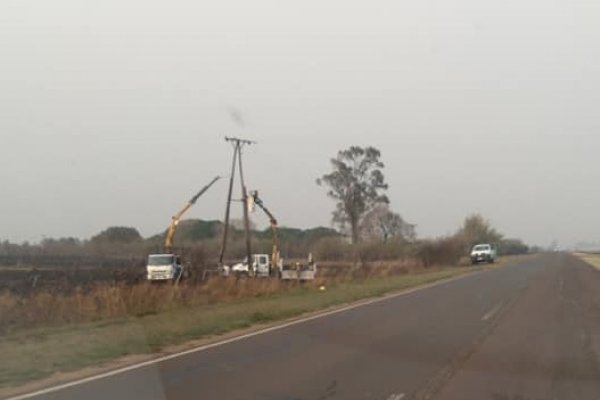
{"x": 299, "y": 271}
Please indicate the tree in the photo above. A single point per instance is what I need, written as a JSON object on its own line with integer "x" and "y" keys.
{"x": 355, "y": 183}
{"x": 193, "y": 230}
{"x": 382, "y": 223}
{"x": 476, "y": 229}
{"x": 120, "y": 234}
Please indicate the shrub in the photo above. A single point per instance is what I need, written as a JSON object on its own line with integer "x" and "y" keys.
{"x": 443, "y": 251}
{"x": 331, "y": 249}
{"x": 382, "y": 251}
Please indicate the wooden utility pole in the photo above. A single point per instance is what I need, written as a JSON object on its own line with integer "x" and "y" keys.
{"x": 238, "y": 144}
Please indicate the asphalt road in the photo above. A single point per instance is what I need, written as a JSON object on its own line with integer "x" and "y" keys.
{"x": 526, "y": 332}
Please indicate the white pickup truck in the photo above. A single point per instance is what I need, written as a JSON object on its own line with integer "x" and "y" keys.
{"x": 261, "y": 266}
{"x": 483, "y": 252}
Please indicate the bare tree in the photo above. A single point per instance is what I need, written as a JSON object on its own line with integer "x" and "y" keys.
{"x": 477, "y": 229}
{"x": 382, "y": 223}
{"x": 355, "y": 183}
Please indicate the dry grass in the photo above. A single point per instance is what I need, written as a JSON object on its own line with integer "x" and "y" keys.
{"x": 47, "y": 308}
{"x": 110, "y": 301}
{"x": 590, "y": 258}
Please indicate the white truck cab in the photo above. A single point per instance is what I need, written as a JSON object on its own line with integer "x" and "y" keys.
{"x": 164, "y": 267}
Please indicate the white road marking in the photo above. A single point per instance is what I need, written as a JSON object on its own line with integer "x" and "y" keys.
{"x": 236, "y": 339}
{"x": 490, "y": 314}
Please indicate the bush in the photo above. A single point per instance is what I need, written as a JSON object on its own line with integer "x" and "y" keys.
{"x": 382, "y": 251}
{"x": 332, "y": 249}
{"x": 442, "y": 251}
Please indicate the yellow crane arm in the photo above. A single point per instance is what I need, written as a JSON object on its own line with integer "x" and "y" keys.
{"x": 273, "y": 221}
{"x": 275, "y": 254}
{"x": 175, "y": 219}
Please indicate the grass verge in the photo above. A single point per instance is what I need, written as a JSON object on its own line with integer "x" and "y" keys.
{"x": 39, "y": 353}
{"x": 590, "y": 258}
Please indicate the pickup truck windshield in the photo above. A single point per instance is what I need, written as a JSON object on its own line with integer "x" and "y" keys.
{"x": 481, "y": 248}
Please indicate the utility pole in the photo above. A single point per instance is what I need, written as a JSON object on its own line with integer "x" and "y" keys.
{"x": 228, "y": 208}
{"x": 237, "y": 144}
{"x": 245, "y": 207}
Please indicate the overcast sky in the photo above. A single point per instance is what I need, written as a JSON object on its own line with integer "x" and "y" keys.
{"x": 114, "y": 112}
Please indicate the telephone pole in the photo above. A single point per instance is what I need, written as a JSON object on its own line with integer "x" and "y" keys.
{"x": 238, "y": 144}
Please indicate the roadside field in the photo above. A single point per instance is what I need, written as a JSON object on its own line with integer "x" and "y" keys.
{"x": 591, "y": 258}
{"x": 29, "y": 279}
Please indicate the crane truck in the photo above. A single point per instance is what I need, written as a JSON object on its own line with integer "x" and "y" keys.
{"x": 265, "y": 266}
{"x": 167, "y": 266}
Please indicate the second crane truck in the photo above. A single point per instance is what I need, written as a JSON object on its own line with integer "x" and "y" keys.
{"x": 262, "y": 264}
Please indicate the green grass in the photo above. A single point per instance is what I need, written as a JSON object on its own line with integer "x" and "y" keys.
{"x": 35, "y": 354}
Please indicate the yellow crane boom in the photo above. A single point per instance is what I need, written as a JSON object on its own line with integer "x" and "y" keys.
{"x": 273, "y": 221}
{"x": 175, "y": 219}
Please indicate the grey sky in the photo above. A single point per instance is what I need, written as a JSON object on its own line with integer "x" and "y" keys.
{"x": 114, "y": 112}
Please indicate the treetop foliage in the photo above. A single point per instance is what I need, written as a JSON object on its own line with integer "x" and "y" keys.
{"x": 119, "y": 234}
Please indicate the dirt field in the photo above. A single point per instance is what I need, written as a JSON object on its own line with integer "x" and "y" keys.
{"x": 66, "y": 274}
{"x": 27, "y": 279}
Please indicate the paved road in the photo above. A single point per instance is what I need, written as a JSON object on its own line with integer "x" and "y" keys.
{"x": 526, "y": 332}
